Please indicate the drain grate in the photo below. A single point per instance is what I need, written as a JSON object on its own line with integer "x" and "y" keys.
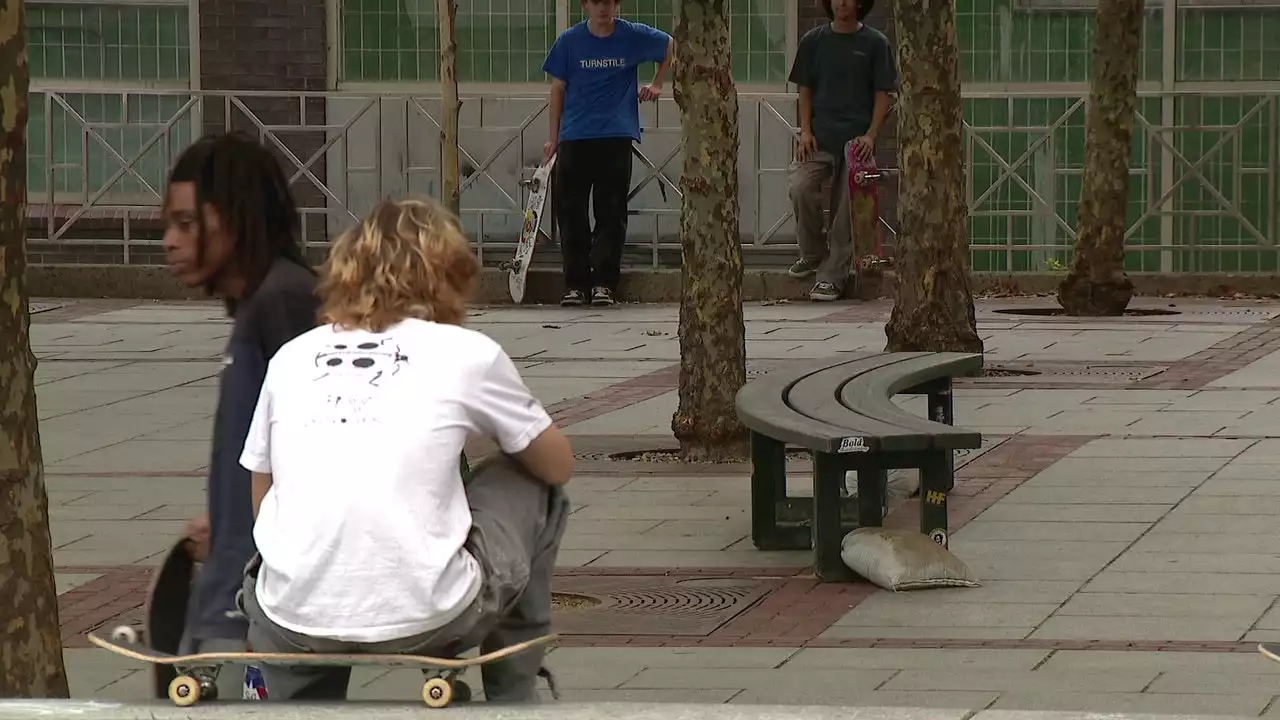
{"x": 657, "y": 605}
{"x": 1061, "y": 373}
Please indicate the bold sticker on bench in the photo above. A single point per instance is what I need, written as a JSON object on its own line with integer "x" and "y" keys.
{"x": 853, "y": 444}
{"x": 939, "y": 536}
{"x": 935, "y": 497}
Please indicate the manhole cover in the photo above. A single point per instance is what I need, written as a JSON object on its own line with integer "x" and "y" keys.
{"x": 656, "y": 605}
{"x": 1056, "y": 312}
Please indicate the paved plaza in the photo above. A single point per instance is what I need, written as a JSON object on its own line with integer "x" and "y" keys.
{"x": 1121, "y": 513}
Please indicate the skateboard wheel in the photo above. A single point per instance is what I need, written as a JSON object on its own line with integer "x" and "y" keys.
{"x": 461, "y": 692}
{"x": 125, "y": 634}
{"x": 437, "y": 693}
{"x": 184, "y": 691}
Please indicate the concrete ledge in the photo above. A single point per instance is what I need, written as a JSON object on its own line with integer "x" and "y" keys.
{"x": 100, "y": 710}
{"x": 545, "y": 285}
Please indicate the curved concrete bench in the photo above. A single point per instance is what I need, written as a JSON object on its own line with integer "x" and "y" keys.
{"x": 842, "y": 410}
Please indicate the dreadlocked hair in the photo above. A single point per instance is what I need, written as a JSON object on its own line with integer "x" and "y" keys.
{"x": 245, "y": 185}
{"x": 864, "y": 9}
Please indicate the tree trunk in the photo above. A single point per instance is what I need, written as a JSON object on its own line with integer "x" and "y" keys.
{"x": 713, "y": 354}
{"x": 450, "y": 175}
{"x": 933, "y": 309}
{"x": 31, "y": 664}
{"x": 1097, "y": 284}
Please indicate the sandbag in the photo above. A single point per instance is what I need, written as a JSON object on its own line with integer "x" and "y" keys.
{"x": 902, "y": 560}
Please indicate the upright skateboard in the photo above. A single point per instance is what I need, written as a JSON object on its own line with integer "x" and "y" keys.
{"x": 196, "y": 680}
{"x": 519, "y": 265}
{"x": 165, "y": 610}
{"x": 864, "y": 212}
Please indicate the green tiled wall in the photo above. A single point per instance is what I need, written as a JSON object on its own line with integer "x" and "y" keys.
{"x": 505, "y": 41}
{"x": 122, "y": 43}
{"x": 1003, "y": 41}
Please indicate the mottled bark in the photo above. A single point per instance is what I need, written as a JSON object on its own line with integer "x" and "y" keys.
{"x": 450, "y": 178}
{"x": 712, "y": 336}
{"x": 1097, "y": 283}
{"x": 933, "y": 309}
{"x": 31, "y": 661}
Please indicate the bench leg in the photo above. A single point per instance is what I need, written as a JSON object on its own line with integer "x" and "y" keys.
{"x": 935, "y": 478}
{"x": 942, "y": 410}
{"x": 768, "y": 487}
{"x": 828, "y": 478}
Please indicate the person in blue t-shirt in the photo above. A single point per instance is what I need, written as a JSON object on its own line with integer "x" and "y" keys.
{"x": 595, "y": 116}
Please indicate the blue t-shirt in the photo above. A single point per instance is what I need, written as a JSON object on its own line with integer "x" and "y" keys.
{"x": 601, "y": 83}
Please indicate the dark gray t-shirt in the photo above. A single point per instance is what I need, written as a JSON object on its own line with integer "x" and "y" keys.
{"x": 844, "y": 71}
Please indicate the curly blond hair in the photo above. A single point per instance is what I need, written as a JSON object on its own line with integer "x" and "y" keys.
{"x": 406, "y": 259}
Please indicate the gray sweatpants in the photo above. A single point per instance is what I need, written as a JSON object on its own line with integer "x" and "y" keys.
{"x": 830, "y": 249}
{"x": 517, "y": 524}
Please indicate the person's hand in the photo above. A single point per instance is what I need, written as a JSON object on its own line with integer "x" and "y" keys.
{"x": 548, "y": 149}
{"x": 650, "y": 92}
{"x": 866, "y": 147}
{"x": 806, "y": 146}
{"x": 198, "y": 532}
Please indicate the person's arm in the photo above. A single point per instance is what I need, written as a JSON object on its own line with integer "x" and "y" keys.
{"x": 803, "y": 78}
{"x": 502, "y": 408}
{"x": 555, "y": 106}
{"x": 804, "y": 110}
{"x": 261, "y": 484}
{"x": 557, "y": 67}
{"x": 256, "y": 456}
{"x": 664, "y": 65}
{"x": 885, "y": 76}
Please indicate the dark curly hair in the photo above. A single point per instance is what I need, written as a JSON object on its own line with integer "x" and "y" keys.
{"x": 864, "y": 9}
{"x": 241, "y": 179}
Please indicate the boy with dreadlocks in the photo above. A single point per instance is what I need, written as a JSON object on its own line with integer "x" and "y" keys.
{"x": 845, "y": 72}
{"x": 233, "y": 229}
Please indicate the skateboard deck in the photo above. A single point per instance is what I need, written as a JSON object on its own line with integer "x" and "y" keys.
{"x": 864, "y": 212}
{"x": 1270, "y": 651}
{"x": 519, "y": 265}
{"x": 165, "y": 610}
{"x": 194, "y": 679}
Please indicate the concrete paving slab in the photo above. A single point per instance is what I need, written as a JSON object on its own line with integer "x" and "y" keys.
{"x": 1211, "y": 583}
{"x": 1099, "y": 495}
{"x": 1066, "y": 531}
{"x": 1116, "y": 479}
{"x": 1240, "y": 487}
{"x": 1167, "y": 449}
{"x": 1179, "y": 521}
{"x": 703, "y": 558}
{"x": 1164, "y": 661}
{"x": 1050, "y": 513}
{"x": 1210, "y": 544}
{"x": 866, "y": 698}
{"x": 1198, "y": 563}
{"x": 1180, "y": 704}
{"x": 1022, "y": 681}
{"x": 1238, "y": 607}
{"x": 1232, "y": 505}
{"x": 817, "y": 682}
{"x": 568, "y": 659}
{"x": 909, "y": 658}
{"x": 1141, "y": 628}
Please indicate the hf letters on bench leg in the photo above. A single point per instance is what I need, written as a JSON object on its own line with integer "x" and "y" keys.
{"x": 942, "y": 410}
{"x": 828, "y": 479}
{"x": 935, "y": 477}
{"x": 768, "y": 488}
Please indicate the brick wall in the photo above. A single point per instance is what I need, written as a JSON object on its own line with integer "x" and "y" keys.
{"x": 274, "y": 45}
{"x": 881, "y": 18}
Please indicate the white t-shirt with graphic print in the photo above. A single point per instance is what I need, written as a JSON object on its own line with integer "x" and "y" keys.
{"x": 362, "y": 532}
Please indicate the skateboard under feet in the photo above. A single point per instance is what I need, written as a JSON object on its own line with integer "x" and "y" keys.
{"x": 194, "y": 675}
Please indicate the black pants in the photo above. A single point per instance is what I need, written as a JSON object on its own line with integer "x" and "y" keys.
{"x": 596, "y": 170}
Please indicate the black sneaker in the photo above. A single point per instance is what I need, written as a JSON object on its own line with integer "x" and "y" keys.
{"x": 602, "y": 296}
{"x": 573, "y": 298}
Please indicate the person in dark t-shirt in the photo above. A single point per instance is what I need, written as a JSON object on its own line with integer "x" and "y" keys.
{"x": 233, "y": 229}
{"x": 845, "y": 71}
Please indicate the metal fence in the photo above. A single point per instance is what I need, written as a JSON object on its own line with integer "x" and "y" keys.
{"x": 1203, "y": 198}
